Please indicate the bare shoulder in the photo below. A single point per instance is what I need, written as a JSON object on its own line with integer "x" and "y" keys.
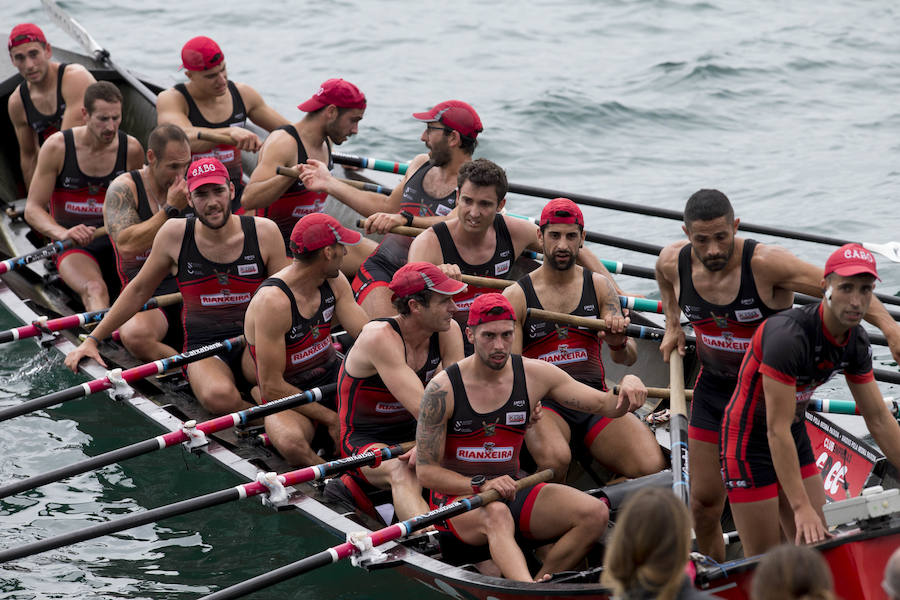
{"x": 248, "y": 94}
{"x": 426, "y": 247}
{"x": 75, "y": 80}
{"x": 15, "y": 107}
{"x": 172, "y": 231}
{"x": 54, "y": 149}
{"x": 267, "y": 226}
{"x": 171, "y": 99}
{"x": 122, "y": 183}
{"x": 767, "y": 256}
{"x": 516, "y": 296}
{"x": 341, "y": 287}
{"x": 668, "y": 257}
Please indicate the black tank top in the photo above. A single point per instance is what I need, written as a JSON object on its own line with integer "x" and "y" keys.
{"x": 487, "y": 443}
{"x": 44, "y": 125}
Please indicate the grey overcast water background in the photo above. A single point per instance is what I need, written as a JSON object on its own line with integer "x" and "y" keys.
{"x": 789, "y": 108}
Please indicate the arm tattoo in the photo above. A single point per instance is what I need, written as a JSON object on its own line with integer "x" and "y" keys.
{"x": 119, "y": 210}
{"x": 612, "y": 306}
{"x": 431, "y": 432}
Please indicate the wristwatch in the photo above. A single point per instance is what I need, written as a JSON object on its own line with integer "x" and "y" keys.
{"x": 408, "y": 216}
{"x": 171, "y": 211}
{"x": 477, "y": 483}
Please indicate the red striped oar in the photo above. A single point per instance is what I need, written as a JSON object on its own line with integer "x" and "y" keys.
{"x": 270, "y": 484}
{"x": 371, "y": 540}
{"x": 119, "y": 377}
{"x": 49, "y": 326}
{"x": 189, "y": 431}
{"x": 48, "y": 251}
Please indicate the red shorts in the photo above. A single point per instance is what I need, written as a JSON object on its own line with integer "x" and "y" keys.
{"x": 521, "y": 508}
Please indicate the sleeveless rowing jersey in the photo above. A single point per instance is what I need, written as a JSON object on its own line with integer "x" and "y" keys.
{"x": 723, "y": 331}
{"x": 487, "y": 444}
{"x": 44, "y": 125}
{"x": 297, "y": 201}
{"x": 78, "y": 198}
{"x": 575, "y": 350}
{"x": 368, "y": 411}
{"x": 309, "y": 352}
{"x": 497, "y": 267}
{"x": 229, "y": 155}
{"x": 215, "y": 295}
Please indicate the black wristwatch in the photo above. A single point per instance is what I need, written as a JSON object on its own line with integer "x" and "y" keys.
{"x": 477, "y": 483}
{"x": 408, "y": 216}
{"x": 171, "y": 211}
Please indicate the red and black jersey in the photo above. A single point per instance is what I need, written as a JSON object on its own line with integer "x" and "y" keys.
{"x": 794, "y": 348}
{"x": 723, "y": 331}
{"x": 215, "y": 295}
{"x": 368, "y": 411}
{"x": 487, "y": 443}
{"x": 297, "y": 201}
{"x": 44, "y": 125}
{"x": 77, "y": 198}
{"x": 309, "y": 352}
{"x": 575, "y": 350}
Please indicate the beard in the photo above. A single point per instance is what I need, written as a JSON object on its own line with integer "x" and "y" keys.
{"x": 206, "y": 222}
{"x": 553, "y": 262}
{"x": 717, "y": 262}
{"x": 440, "y": 156}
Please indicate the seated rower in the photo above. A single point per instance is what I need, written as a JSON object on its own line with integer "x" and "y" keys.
{"x": 294, "y": 352}
{"x": 137, "y": 205}
{"x": 65, "y": 201}
{"x": 624, "y": 445}
{"x": 383, "y": 376}
{"x": 332, "y": 116}
{"x": 471, "y": 425}
{"x": 767, "y": 461}
{"x": 218, "y": 259}
{"x": 49, "y": 99}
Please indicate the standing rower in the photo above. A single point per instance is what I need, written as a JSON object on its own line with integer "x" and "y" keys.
{"x": 137, "y": 205}
{"x": 332, "y": 115}
{"x": 624, "y": 445}
{"x": 49, "y": 100}
{"x": 211, "y": 103}
{"x": 471, "y": 425}
{"x": 65, "y": 201}
{"x": 767, "y": 461}
{"x": 218, "y": 259}
{"x": 288, "y": 330}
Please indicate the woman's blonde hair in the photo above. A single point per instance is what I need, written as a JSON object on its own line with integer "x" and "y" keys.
{"x": 789, "y": 572}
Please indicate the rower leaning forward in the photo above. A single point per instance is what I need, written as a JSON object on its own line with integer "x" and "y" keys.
{"x": 218, "y": 259}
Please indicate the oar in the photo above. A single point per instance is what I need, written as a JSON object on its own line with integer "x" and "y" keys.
{"x": 100, "y": 54}
{"x": 372, "y": 539}
{"x": 168, "y": 440}
{"x": 48, "y": 251}
{"x": 847, "y": 407}
{"x": 266, "y": 483}
{"x": 678, "y": 428}
{"x": 80, "y": 320}
{"x": 607, "y": 240}
{"x": 654, "y": 334}
{"x": 360, "y": 185}
{"x": 388, "y": 166}
{"x": 119, "y": 377}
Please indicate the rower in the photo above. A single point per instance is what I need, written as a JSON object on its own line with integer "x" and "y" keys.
{"x": 332, "y": 115}
{"x": 137, "y": 205}
{"x": 624, "y": 445}
{"x": 383, "y": 376}
{"x": 211, "y": 103}
{"x": 471, "y": 425}
{"x": 480, "y": 241}
{"x": 218, "y": 259}
{"x": 426, "y": 195}
{"x": 726, "y": 285}
{"x": 49, "y": 100}
{"x": 768, "y": 463}
{"x": 65, "y": 201}
{"x": 293, "y": 352}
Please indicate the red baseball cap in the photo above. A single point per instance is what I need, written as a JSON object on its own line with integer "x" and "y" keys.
{"x": 561, "y": 210}
{"x": 490, "y": 307}
{"x": 418, "y": 276}
{"x": 455, "y": 114}
{"x": 339, "y": 92}
{"x": 24, "y": 33}
{"x": 201, "y": 53}
{"x": 851, "y": 259}
{"x": 206, "y": 170}
{"x": 317, "y": 230}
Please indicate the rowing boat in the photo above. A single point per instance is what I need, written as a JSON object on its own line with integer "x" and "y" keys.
{"x": 846, "y": 461}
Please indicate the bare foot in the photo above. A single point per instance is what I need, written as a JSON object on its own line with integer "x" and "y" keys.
{"x": 544, "y": 578}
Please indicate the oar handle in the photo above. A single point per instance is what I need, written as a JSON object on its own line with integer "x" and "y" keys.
{"x": 168, "y": 299}
{"x": 399, "y": 229}
{"x": 487, "y": 282}
{"x": 288, "y": 171}
{"x": 658, "y": 392}
{"x": 549, "y": 315}
{"x": 216, "y": 138}
{"x": 526, "y": 482}
{"x": 677, "y": 402}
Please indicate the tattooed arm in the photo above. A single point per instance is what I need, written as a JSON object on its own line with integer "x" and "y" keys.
{"x": 622, "y": 349}
{"x": 431, "y": 438}
{"x": 130, "y": 235}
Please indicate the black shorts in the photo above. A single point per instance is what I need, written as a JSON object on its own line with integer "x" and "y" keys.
{"x": 521, "y": 509}
{"x": 175, "y": 333}
{"x": 358, "y": 441}
{"x": 584, "y": 426}
{"x": 231, "y": 357}
{"x": 318, "y": 377}
{"x": 102, "y": 253}
{"x": 711, "y": 395}
{"x": 376, "y": 271}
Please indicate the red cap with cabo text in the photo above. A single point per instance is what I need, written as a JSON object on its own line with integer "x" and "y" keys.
{"x": 206, "y": 170}
{"x": 851, "y": 259}
{"x": 490, "y": 307}
{"x": 201, "y": 53}
{"x": 561, "y": 210}
{"x": 339, "y": 92}
{"x": 24, "y": 33}
{"x": 415, "y": 277}
{"x": 455, "y": 114}
{"x": 317, "y": 230}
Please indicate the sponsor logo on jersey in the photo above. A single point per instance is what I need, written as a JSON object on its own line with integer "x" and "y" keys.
{"x": 251, "y": 269}
{"x": 429, "y": 374}
{"x": 518, "y": 403}
{"x": 463, "y": 305}
{"x": 90, "y": 207}
{"x": 486, "y": 453}
{"x": 302, "y": 210}
{"x": 307, "y": 353}
{"x": 504, "y": 254}
{"x": 726, "y": 342}
{"x": 389, "y": 407}
{"x": 746, "y": 301}
{"x": 443, "y": 210}
{"x": 588, "y": 307}
{"x": 223, "y": 153}
{"x": 720, "y": 320}
{"x": 564, "y": 355}
{"x": 751, "y": 314}
{"x": 224, "y": 299}
{"x": 501, "y": 267}
{"x": 515, "y": 418}
{"x": 328, "y": 313}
